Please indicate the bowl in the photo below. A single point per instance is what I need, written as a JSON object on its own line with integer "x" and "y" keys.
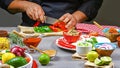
{"x": 111, "y": 33}
{"x": 3, "y": 33}
{"x": 29, "y": 64}
{"x": 105, "y": 49}
{"x": 34, "y": 41}
{"x": 112, "y": 36}
{"x": 71, "y": 37}
{"x": 82, "y": 48}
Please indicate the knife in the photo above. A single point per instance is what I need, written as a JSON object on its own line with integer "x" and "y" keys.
{"x": 48, "y": 21}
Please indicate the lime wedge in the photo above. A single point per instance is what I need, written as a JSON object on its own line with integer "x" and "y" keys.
{"x": 106, "y": 60}
{"x": 98, "y": 62}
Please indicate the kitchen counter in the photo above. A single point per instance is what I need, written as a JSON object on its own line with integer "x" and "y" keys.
{"x": 63, "y": 59}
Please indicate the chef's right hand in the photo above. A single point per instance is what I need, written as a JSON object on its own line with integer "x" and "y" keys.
{"x": 35, "y": 11}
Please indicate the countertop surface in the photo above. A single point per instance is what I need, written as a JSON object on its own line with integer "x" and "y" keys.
{"x": 63, "y": 58}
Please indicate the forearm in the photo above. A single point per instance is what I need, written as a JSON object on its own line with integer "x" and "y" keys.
{"x": 80, "y": 16}
{"x": 90, "y": 8}
{"x": 18, "y": 6}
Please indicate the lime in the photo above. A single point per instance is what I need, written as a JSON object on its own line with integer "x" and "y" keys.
{"x": 92, "y": 55}
{"x": 106, "y": 60}
{"x": 7, "y": 56}
{"x": 17, "y": 62}
{"x": 98, "y": 62}
{"x": 44, "y": 59}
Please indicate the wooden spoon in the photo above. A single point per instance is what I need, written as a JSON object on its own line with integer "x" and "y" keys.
{"x": 98, "y": 25}
{"x": 37, "y": 49}
{"x": 51, "y": 52}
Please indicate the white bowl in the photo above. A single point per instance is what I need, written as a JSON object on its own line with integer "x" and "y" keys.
{"x": 28, "y": 65}
{"x": 83, "y": 50}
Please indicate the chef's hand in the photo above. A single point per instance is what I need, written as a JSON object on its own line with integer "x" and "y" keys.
{"x": 35, "y": 12}
{"x": 69, "y": 19}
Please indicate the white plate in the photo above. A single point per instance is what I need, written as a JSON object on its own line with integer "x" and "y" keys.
{"x": 100, "y": 39}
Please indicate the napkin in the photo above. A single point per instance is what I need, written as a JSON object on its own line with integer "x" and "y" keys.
{"x": 86, "y": 28}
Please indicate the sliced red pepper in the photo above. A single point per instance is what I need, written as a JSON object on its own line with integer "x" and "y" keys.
{"x": 54, "y": 29}
{"x": 66, "y": 45}
{"x": 60, "y": 25}
{"x": 34, "y": 64}
{"x": 36, "y": 24}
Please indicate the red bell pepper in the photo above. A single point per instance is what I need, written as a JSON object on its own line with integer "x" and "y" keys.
{"x": 34, "y": 64}
{"x": 55, "y": 29}
{"x": 36, "y": 24}
{"x": 66, "y": 45}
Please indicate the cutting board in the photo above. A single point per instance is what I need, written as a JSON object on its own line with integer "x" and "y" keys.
{"x": 89, "y": 64}
{"x": 29, "y": 31}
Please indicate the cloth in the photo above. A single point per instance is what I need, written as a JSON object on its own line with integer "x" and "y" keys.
{"x": 86, "y": 28}
{"x": 56, "y": 8}
{"x": 5, "y": 3}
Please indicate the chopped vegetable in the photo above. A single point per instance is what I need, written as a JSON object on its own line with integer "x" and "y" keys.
{"x": 113, "y": 30}
{"x": 85, "y": 44}
{"x": 42, "y": 29}
{"x": 16, "y": 39}
{"x": 4, "y": 43}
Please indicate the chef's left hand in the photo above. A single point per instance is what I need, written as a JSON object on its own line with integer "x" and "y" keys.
{"x": 69, "y": 19}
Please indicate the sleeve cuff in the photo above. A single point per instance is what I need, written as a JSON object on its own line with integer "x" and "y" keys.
{"x": 91, "y": 8}
{"x": 5, "y": 3}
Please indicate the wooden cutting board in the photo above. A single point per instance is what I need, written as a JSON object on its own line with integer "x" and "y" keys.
{"x": 89, "y": 64}
{"x": 29, "y": 31}
{"x": 79, "y": 57}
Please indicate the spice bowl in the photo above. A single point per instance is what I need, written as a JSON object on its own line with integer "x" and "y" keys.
{"x": 31, "y": 41}
{"x": 111, "y": 33}
{"x": 112, "y": 36}
{"x": 105, "y": 49}
{"x": 51, "y": 52}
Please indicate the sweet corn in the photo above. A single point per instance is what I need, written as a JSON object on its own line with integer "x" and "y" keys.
{"x": 4, "y": 43}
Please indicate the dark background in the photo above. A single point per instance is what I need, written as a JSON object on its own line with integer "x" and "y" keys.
{"x": 109, "y": 14}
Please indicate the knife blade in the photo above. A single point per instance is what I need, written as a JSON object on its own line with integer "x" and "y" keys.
{"x": 50, "y": 20}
